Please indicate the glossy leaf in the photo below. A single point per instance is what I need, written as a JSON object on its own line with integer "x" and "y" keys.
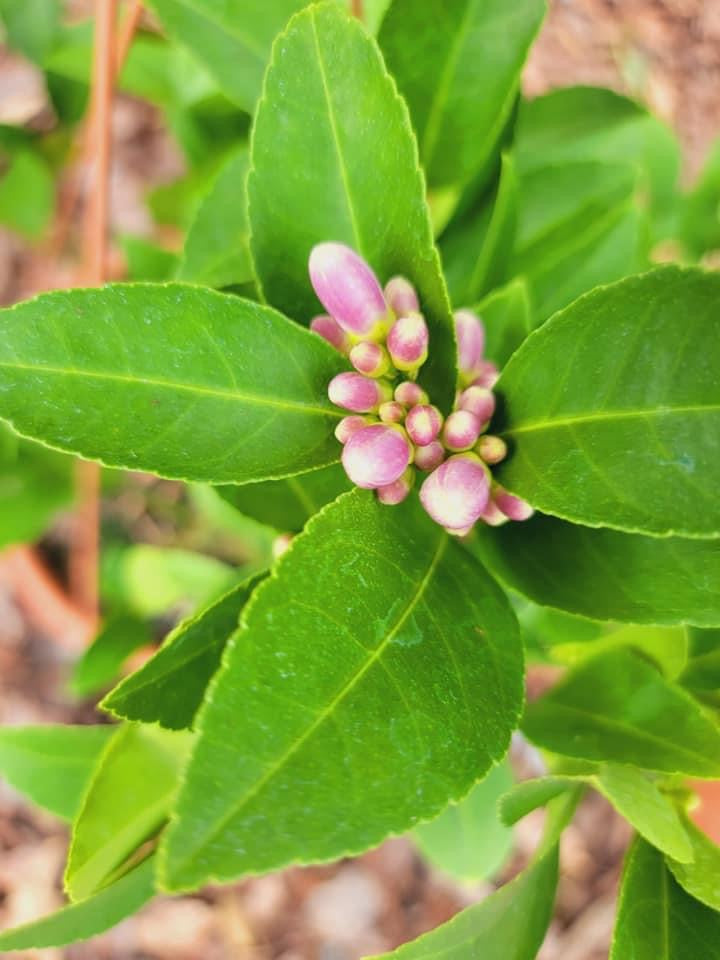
{"x": 100, "y": 664}
{"x": 666, "y": 646}
{"x": 604, "y": 429}
{"x": 527, "y": 796}
{"x": 702, "y": 671}
{"x": 616, "y": 707}
{"x": 169, "y": 688}
{"x": 701, "y": 876}
{"x": 86, "y": 919}
{"x": 546, "y": 632}
{"x": 506, "y": 313}
{"x": 356, "y": 701}
{"x": 458, "y": 63}
{"x": 467, "y": 840}
{"x": 328, "y": 97}
{"x": 51, "y": 765}
{"x": 141, "y": 765}
{"x": 656, "y": 919}
{"x": 173, "y": 379}
{"x": 606, "y": 574}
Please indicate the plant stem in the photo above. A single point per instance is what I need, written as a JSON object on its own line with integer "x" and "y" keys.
{"x": 356, "y": 7}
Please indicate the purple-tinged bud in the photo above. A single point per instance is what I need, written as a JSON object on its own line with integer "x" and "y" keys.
{"x": 376, "y": 456}
{"x": 491, "y": 449}
{"x": 423, "y": 424}
{"x": 513, "y": 507}
{"x": 348, "y": 289}
{"x": 350, "y": 425}
{"x": 456, "y": 494}
{"x": 470, "y": 335}
{"x": 370, "y": 358}
{"x": 410, "y": 394}
{"x": 352, "y": 391}
{"x": 408, "y": 341}
{"x": 478, "y": 401}
{"x": 400, "y": 296}
{"x": 492, "y": 515}
{"x": 392, "y": 412}
{"x": 461, "y": 430}
{"x": 396, "y": 492}
{"x": 487, "y": 375}
{"x": 281, "y": 544}
{"x": 429, "y": 456}
{"x": 330, "y": 330}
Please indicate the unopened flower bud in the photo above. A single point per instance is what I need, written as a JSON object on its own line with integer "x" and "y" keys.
{"x": 470, "y": 335}
{"x": 376, "y": 456}
{"x": 486, "y": 375}
{"x": 491, "y": 449}
{"x": 429, "y": 456}
{"x": 410, "y": 394}
{"x": 492, "y": 515}
{"x": 456, "y": 493}
{"x": 349, "y": 425}
{"x": 461, "y": 430}
{"x": 407, "y": 342}
{"x": 352, "y": 391}
{"x": 370, "y": 358}
{"x": 479, "y": 401}
{"x": 329, "y": 329}
{"x": 396, "y": 492}
{"x": 391, "y": 412}
{"x": 400, "y": 296}
{"x": 513, "y": 507}
{"x": 423, "y": 424}
{"x": 348, "y": 289}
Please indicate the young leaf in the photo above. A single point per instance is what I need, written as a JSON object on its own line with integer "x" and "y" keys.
{"x": 377, "y": 676}
{"x": 702, "y": 671}
{"x": 458, "y": 64}
{"x": 146, "y": 260}
{"x": 141, "y": 765}
{"x": 349, "y": 173}
{"x": 699, "y": 227}
{"x": 169, "y": 688}
{"x": 506, "y": 314}
{"x": 51, "y": 765}
{"x": 700, "y": 876}
{"x": 195, "y": 384}
{"x": 467, "y": 840}
{"x": 80, "y": 921}
{"x": 656, "y": 919}
{"x": 102, "y": 660}
{"x": 605, "y": 574}
{"x": 666, "y": 646}
{"x": 617, "y": 707}
{"x": 604, "y": 428}
{"x": 527, "y": 796}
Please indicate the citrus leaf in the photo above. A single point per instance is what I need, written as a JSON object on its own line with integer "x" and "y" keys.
{"x": 506, "y": 314}
{"x": 700, "y": 877}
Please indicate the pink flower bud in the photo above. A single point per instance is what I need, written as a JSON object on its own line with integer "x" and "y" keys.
{"x": 396, "y": 492}
{"x": 461, "y": 430}
{"x": 470, "y": 335}
{"x": 347, "y": 288}
{"x": 410, "y": 394}
{"x": 376, "y": 456}
{"x": 479, "y": 401}
{"x": 456, "y": 493}
{"x": 400, "y": 295}
{"x": 408, "y": 342}
{"x": 331, "y": 331}
{"x": 423, "y": 424}
{"x": 370, "y": 358}
{"x": 281, "y": 544}
{"x": 392, "y": 412}
{"x": 349, "y": 425}
{"x": 492, "y": 515}
{"x": 354, "y": 392}
{"x": 491, "y": 449}
{"x": 486, "y": 375}
{"x": 512, "y": 507}
{"x": 429, "y": 456}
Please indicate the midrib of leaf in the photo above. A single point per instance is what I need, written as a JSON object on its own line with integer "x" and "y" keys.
{"x": 295, "y": 406}
{"x": 609, "y": 415}
{"x": 204, "y": 14}
{"x": 328, "y": 711}
{"x": 300, "y": 494}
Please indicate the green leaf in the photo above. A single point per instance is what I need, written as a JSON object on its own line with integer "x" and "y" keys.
{"x": 141, "y": 765}
{"x": 617, "y": 707}
{"x": 467, "y": 840}
{"x": 458, "y": 64}
{"x": 27, "y": 192}
{"x": 605, "y": 574}
{"x": 80, "y": 921}
{"x": 169, "y": 688}
{"x": 101, "y": 662}
{"x": 656, "y": 919}
{"x": 527, "y": 796}
{"x": 146, "y": 260}
{"x": 173, "y": 379}
{"x": 31, "y": 26}
{"x": 603, "y": 428}
{"x": 217, "y": 251}
{"x": 506, "y": 315}
{"x": 288, "y": 504}
{"x": 666, "y": 646}
{"x": 51, "y": 765}
{"x": 702, "y": 672}
{"x": 377, "y": 676}
{"x": 700, "y": 876}
{"x": 341, "y": 177}
{"x": 699, "y": 227}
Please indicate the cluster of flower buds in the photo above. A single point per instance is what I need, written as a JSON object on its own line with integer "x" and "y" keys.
{"x": 392, "y": 429}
